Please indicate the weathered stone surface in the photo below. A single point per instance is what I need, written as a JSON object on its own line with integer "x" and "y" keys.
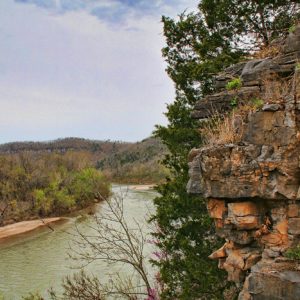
{"x": 244, "y": 215}
{"x": 271, "y": 107}
{"x": 268, "y": 128}
{"x": 193, "y": 153}
{"x": 195, "y": 176}
{"x": 274, "y": 239}
{"x": 242, "y": 237}
{"x": 293, "y": 210}
{"x": 216, "y": 208}
{"x": 242, "y": 209}
{"x": 219, "y": 223}
{"x": 247, "y": 222}
{"x": 220, "y": 253}
{"x": 294, "y": 226}
{"x": 292, "y": 43}
{"x": 236, "y": 260}
{"x": 221, "y": 102}
{"x": 272, "y": 283}
{"x": 229, "y": 171}
{"x": 252, "y": 74}
{"x": 278, "y": 212}
{"x": 282, "y": 227}
{"x": 269, "y": 253}
{"x": 255, "y": 68}
{"x": 253, "y": 185}
{"x": 252, "y": 260}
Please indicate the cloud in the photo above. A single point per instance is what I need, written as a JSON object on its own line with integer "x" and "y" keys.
{"x": 113, "y": 11}
{"x": 68, "y": 72}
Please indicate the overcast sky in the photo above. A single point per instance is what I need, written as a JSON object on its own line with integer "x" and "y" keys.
{"x": 84, "y": 68}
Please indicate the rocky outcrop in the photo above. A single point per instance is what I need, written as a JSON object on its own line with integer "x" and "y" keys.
{"x": 254, "y": 74}
{"x": 253, "y": 186}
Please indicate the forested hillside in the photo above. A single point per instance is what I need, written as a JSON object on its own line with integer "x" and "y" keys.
{"x": 44, "y": 184}
{"x": 56, "y": 177}
{"x": 119, "y": 161}
{"x": 136, "y": 163}
{"x": 63, "y": 145}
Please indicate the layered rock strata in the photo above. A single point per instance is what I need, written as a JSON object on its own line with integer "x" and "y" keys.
{"x": 253, "y": 186}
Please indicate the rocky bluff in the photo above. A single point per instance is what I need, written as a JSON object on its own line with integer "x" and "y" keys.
{"x": 253, "y": 186}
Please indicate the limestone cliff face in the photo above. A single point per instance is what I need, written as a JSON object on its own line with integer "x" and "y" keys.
{"x": 253, "y": 186}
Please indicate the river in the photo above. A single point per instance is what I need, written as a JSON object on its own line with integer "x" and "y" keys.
{"x": 40, "y": 260}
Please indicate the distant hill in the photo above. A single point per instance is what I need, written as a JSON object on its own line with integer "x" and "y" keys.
{"x": 120, "y": 161}
{"x": 63, "y": 145}
{"x": 136, "y": 163}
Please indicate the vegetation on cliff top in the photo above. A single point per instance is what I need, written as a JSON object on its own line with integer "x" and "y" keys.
{"x": 199, "y": 45}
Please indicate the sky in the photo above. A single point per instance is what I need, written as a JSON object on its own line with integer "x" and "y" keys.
{"x": 83, "y": 68}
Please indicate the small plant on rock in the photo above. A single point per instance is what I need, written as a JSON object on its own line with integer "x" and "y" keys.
{"x": 297, "y": 68}
{"x": 234, "y": 102}
{"x": 293, "y": 253}
{"x": 292, "y": 29}
{"x": 257, "y": 102}
{"x": 234, "y": 84}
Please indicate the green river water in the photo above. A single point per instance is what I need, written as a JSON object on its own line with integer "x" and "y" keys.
{"x": 39, "y": 260}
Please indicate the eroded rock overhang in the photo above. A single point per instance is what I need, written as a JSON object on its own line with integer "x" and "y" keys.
{"x": 253, "y": 186}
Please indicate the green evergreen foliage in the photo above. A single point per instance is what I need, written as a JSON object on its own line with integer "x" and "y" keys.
{"x": 199, "y": 45}
{"x": 251, "y": 24}
{"x": 185, "y": 231}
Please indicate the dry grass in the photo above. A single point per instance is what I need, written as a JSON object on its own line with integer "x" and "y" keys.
{"x": 275, "y": 90}
{"x": 270, "y": 51}
{"x": 226, "y": 129}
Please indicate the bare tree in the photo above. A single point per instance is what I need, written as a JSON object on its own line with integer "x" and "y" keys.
{"x": 114, "y": 242}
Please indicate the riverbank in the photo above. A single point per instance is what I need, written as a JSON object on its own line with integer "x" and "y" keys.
{"x": 20, "y": 228}
{"x": 35, "y": 261}
{"x": 142, "y": 187}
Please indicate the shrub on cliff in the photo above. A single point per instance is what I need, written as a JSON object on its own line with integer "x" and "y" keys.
{"x": 199, "y": 45}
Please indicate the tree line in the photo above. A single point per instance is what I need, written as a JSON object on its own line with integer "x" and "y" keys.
{"x": 39, "y": 185}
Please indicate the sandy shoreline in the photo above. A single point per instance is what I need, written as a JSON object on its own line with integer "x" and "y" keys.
{"x": 20, "y": 228}
{"x": 141, "y": 187}
{"x": 16, "y": 229}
